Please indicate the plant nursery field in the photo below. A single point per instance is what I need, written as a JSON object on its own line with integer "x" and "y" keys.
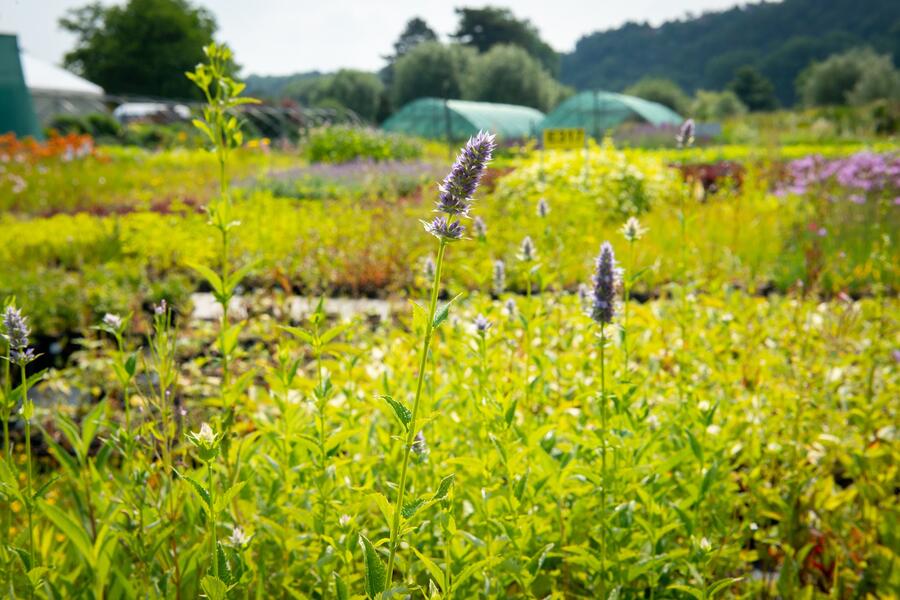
{"x": 237, "y": 373}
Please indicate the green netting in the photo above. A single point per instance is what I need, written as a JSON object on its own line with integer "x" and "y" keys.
{"x": 597, "y": 112}
{"x": 16, "y": 109}
{"x": 458, "y": 119}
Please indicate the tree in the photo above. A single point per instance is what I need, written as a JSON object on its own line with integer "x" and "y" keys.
{"x": 358, "y": 91}
{"x": 431, "y": 69}
{"x": 857, "y": 76}
{"x": 716, "y": 106}
{"x": 144, "y": 47}
{"x": 508, "y": 74}
{"x": 754, "y": 90}
{"x": 416, "y": 32}
{"x": 484, "y": 28}
{"x": 664, "y": 91}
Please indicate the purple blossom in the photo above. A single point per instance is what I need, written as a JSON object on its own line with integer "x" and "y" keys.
{"x": 685, "y": 135}
{"x": 441, "y": 228}
{"x": 482, "y": 324}
{"x": 499, "y": 282}
{"x": 606, "y": 281}
{"x": 480, "y": 228}
{"x": 457, "y": 189}
{"x": 527, "y": 251}
{"x": 16, "y": 332}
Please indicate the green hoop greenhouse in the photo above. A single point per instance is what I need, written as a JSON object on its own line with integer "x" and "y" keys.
{"x": 597, "y": 111}
{"x": 435, "y": 118}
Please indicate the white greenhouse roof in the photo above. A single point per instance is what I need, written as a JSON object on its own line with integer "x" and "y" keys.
{"x": 44, "y": 77}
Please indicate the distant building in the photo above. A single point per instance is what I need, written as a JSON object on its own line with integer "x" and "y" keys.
{"x": 33, "y": 91}
{"x": 56, "y": 91}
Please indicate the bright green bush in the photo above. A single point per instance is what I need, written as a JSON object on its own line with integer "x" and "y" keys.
{"x": 339, "y": 144}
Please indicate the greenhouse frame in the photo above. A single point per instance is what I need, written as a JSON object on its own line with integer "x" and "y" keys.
{"x": 597, "y": 112}
{"x": 435, "y": 118}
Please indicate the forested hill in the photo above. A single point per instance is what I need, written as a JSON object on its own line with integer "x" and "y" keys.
{"x": 780, "y": 39}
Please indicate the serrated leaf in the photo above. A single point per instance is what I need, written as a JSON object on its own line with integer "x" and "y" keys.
{"x": 214, "y": 588}
{"x": 376, "y": 572}
{"x": 403, "y": 413}
{"x": 201, "y": 491}
{"x": 444, "y": 487}
{"x": 410, "y": 508}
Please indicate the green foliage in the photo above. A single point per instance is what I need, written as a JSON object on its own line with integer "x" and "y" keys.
{"x": 484, "y": 28}
{"x": 716, "y": 106}
{"x": 858, "y": 76}
{"x": 703, "y": 52}
{"x": 508, "y": 74}
{"x": 141, "y": 48}
{"x": 753, "y": 90}
{"x": 431, "y": 69}
{"x": 358, "y": 91}
{"x": 340, "y": 144}
{"x": 664, "y": 91}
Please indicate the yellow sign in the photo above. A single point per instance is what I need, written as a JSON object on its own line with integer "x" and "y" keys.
{"x": 563, "y": 139}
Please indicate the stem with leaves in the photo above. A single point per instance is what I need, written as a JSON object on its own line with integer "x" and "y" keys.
{"x": 411, "y": 428}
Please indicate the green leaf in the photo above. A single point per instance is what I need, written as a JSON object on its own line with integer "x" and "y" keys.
{"x": 211, "y": 277}
{"x": 403, "y": 413}
{"x": 299, "y": 333}
{"x": 8, "y": 482}
{"x": 131, "y": 364}
{"x": 696, "y": 593}
{"x": 200, "y": 489}
{"x": 340, "y": 588}
{"x": 433, "y": 569}
{"x": 410, "y": 508}
{"x": 214, "y": 588}
{"x": 444, "y": 487}
{"x": 708, "y": 479}
{"x": 444, "y": 312}
{"x": 71, "y": 529}
{"x": 376, "y": 572}
{"x": 225, "y": 499}
{"x": 721, "y": 585}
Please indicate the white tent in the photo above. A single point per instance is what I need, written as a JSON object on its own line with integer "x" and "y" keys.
{"x": 57, "y": 91}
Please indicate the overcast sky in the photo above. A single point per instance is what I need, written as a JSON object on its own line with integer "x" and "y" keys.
{"x": 287, "y": 36}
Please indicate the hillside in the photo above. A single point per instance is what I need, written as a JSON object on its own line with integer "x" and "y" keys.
{"x": 780, "y": 39}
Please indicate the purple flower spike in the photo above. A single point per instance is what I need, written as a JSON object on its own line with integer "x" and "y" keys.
{"x": 441, "y": 228}
{"x": 685, "y": 135}
{"x": 459, "y": 186}
{"x": 16, "y": 332}
{"x": 606, "y": 281}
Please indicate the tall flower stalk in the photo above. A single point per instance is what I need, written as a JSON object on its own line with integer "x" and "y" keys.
{"x": 19, "y": 354}
{"x": 222, "y": 127}
{"x": 606, "y": 281}
{"x": 454, "y": 202}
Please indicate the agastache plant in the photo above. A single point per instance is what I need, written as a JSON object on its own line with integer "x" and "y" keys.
{"x": 499, "y": 278}
{"x": 603, "y": 310}
{"x": 685, "y": 136}
{"x": 20, "y": 353}
{"x": 455, "y": 196}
